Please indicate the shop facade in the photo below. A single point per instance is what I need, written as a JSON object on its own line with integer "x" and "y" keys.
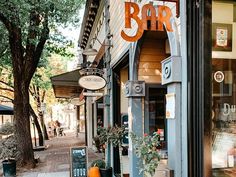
{"x": 211, "y": 111}
{"x": 190, "y": 60}
{"x": 133, "y": 65}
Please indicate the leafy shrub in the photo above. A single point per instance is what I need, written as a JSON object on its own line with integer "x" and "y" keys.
{"x": 7, "y": 129}
{"x": 113, "y": 135}
{"x": 98, "y": 163}
{"x": 146, "y": 150}
{"x": 8, "y": 148}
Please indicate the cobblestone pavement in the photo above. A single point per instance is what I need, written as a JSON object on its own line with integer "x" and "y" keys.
{"x": 55, "y": 160}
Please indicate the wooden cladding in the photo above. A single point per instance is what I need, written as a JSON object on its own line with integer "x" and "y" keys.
{"x": 152, "y": 53}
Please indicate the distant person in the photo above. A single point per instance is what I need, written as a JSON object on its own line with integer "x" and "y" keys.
{"x": 57, "y": 125}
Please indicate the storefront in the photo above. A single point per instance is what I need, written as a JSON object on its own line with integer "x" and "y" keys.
{"x": 212, "y": 67}
{"x": 135, "y": 94}
{"x": 143, "y": 94}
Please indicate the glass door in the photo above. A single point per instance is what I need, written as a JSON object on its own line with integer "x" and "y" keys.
{"x": 155, "y": 115}
{"x": 223, "y": 89}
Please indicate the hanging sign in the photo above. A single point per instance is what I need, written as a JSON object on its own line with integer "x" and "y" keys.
{"x": 92, "y": 82}
{"x": 93, "y": 94}
{"x": 77, "y": 101}
{"x": 148, "y": 12}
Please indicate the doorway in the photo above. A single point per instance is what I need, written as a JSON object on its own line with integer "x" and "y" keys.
{"x": 155, "y": 120}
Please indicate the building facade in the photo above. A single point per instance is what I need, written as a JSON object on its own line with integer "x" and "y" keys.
{"x": 174, "y": 75}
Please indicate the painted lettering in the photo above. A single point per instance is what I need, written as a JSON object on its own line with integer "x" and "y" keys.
{"x": 228, "y": 109}
{"x": 128, "y": 17}
{"x": 148, "y": 14}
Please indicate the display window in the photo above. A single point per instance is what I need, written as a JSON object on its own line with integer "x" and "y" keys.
{"x": 223, "y": 89}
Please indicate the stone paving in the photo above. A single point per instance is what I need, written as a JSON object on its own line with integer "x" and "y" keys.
{"x": 55, "y": 160}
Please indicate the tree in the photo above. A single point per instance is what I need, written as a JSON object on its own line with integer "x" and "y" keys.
{"x": 56, "y": 54}
{"x": 28, "y": 24}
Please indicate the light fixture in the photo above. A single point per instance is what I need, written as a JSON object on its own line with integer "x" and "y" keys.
{"x": 91, "y": 51}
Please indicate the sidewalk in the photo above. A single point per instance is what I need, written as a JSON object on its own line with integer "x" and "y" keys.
{"x": 55, "y": 160}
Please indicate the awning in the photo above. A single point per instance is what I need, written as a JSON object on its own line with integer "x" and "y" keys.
{"x": 66, "y": 85}
{"x": 6, "y": 110}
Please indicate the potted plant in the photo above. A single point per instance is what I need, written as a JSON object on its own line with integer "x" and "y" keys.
{"x": 146, "y": 150}
{"x": 104, "y": 171}
{"x": 112, "y": 135}
{"x": 8, "y": 150}
{"x": 101, "y": 139}
{"x": 115, "y": 135}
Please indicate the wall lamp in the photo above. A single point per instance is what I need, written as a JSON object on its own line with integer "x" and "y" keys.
{"x": 91, "y": 51}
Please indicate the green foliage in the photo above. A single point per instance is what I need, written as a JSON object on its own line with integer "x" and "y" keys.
{"x": 102, "y": 135}
{"x": 98, "y": 163}
{"x": 113, "y": 135}
{"x": 7, "y": 129}
{"x": 146, "y": 150}
{"x": 59, "y": 13}
{"x": 8, "y": 148}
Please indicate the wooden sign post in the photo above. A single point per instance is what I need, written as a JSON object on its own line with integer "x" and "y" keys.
{"x": 78, "y": 161}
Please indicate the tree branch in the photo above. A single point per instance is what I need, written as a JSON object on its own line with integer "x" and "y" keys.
{"x": 15, "y": 37}
{"x": 6, "y": 84}
{"x": 31, "y": 92}
{"x": 43, "y": 96}
{"x": 32, "y": 34}
{"x": 7, "y": 98}
{"x": 5, "y": 21}
{"x": 3, "y": 52}
{"x": 29, "y": 70}
{"x": 6, "y": 89}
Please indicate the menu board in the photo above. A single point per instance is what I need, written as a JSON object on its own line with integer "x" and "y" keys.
{"x": 78, "y": 158}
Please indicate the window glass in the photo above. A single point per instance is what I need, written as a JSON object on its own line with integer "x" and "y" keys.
{"x": 156, "y": 116}
{"x": 223, "y": 89}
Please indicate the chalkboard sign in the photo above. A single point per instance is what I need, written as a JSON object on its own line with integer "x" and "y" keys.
{"x": 78, "y": 157}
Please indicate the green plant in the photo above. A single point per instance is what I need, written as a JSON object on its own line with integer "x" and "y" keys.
{"x": 98, "y": 163}
{"x": 96, "y": 142}
{"x": 7, "y": 129}
{"x": 8, "y": 146}
{"x": 102, "y": 135}
{"x": 146, "y": 150}
{"x": 115, "y": 135}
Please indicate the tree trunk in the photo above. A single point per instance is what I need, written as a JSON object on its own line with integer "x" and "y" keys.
{"x": 46, "y": 133}
{"x": 22, "y": 122}
{"x": 41, "y": 118}
{"x": 36, "y": 123}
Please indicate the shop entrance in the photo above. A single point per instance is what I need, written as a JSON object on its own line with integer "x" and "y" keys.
{"x": 155, "y": 114}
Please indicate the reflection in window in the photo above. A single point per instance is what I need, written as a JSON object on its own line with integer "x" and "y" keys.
{"x": 223, "y": 115}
